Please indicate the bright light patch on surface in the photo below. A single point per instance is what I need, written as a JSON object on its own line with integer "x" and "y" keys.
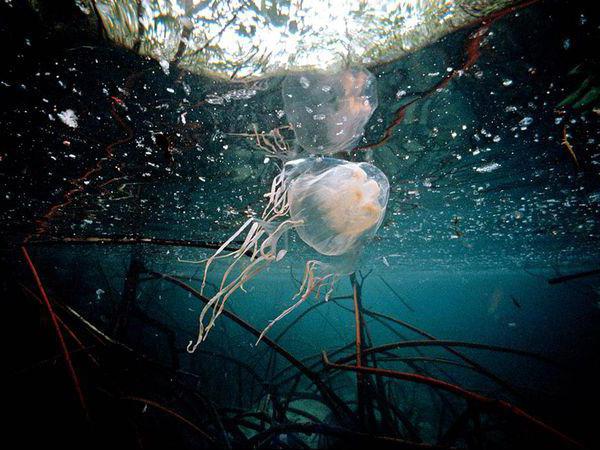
{"x": 252, "y": 38}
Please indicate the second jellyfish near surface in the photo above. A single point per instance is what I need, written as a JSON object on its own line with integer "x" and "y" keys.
{"x": 335, "y": 206}
{"x": 328, "y": 112}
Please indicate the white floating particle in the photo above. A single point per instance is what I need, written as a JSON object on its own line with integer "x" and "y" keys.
{"x": 526, "y": 121}
{"x": 68, "y": 117}
{"x": 164, "y": 65}
{"x": 304, "y": 82}
{"x": 487, "y": 168}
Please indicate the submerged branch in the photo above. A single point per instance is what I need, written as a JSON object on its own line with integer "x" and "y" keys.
{"x": 473, "y": 364}
{"x": 443, "y": 343}
{"x": 129, "y": 240}
{"x": 481, "y": 400}
{"x": 56, "y": 325}
{"x": 337, "y": 405}
{"x": 175, "y": 414}
{"x": 573, "y": 276}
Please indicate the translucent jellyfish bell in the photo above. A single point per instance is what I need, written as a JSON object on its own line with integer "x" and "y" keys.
{"x": 340, "y": 204}
{"x": 336, "y": 206}
{"x": 329, "y": 111}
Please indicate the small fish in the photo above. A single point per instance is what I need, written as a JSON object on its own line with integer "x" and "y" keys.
{"x": 457, "y": 233}
{"x": 515, "y": 301}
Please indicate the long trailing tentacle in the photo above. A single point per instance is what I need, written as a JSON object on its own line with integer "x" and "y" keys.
{"x": 276, "y": 207}
{"x": 221, "y": 249}
{"x": 268, "y": 253}
{"x": 263, "y": 251}
{"x": 310, "y": 282}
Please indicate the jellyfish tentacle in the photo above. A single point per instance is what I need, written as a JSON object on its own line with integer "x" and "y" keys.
{"x": 277, "y": 205}
{"x": 251, "y": 241}
{"x": 306, "y": 281}
{"x": 221, "y": 298}
{"x": 252, "y": 270}
{"x": 267, "y": 256}
{"x": 263, "y": 253}
{"x": 255, "y": 267}
{"x": 278, "y": 199}
{"x": 331, "y": 282}
{"x": 310, "y": 282}
{"x": 221, "y": 249}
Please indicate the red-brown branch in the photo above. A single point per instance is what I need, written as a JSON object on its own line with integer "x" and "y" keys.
{"x": 79, "y": 183}
{"x": 569, "y": 147}
{"x": 59, "y": 334}
{"x": 472, "y": 52}
{"x": 360, "y": 382}
{"x": 357, "y": 325}
{"x": 62, "y": 323}
{"x": 481, "y": 400}
{"x": 175, "y": 414}
{"x": 446, "y": 343}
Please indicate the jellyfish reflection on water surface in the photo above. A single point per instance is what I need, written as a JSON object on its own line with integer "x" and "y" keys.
{"x": 335, "y": 206}
{"x": 328, "y": 112}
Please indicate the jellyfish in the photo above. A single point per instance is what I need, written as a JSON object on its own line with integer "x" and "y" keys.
{"x": 328, "y": 112}
{"x": 335, "y": 206}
